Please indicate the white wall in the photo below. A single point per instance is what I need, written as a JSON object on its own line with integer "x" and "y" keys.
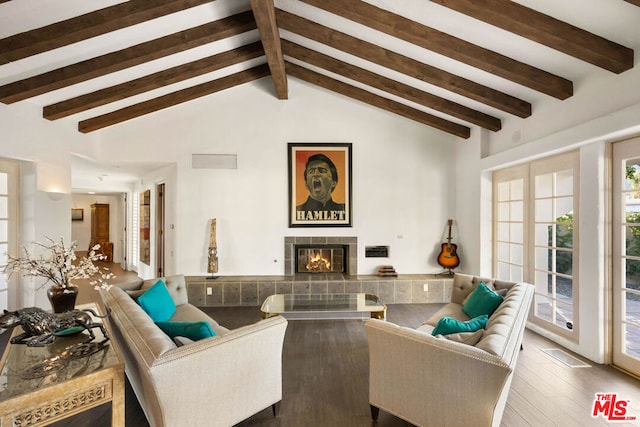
{"x": 43, "y": 215}
{"x": 598, "y": 95}
{"x": 403, "y": 185}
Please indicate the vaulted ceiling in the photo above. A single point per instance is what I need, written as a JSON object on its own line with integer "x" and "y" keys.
{"x": 449, "y": 64}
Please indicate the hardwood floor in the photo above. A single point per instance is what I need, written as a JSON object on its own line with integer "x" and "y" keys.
{"x": 325, "y": 379}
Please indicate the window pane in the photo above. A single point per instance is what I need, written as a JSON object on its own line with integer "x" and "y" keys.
{"x": 543, "y": 307}
{"x": 516, "y": 274}
{"x": 564, "y": 183}
{"x": 517, "y": 189}
{"x": 516, "y": 233}
{"x": 503, "y": 191}
{"x": 516, "y": 254}
{"x": 543, "y": 235}
{"x": 4, "y": 189}
{"x": 4, "y": 207}
{"x": 631, "y": 175}
{"x": 564, "y": 289}
{"x": 4, "y": 230}
{"x": 543, "y": 259}
{"x": 633, "y": 241}
{"x": 632, "y": 274}
{"x": 503, "y": 271}
{"x": 503, "y": 211}
{"x": 544, "y": 211}
{"x": 632, "y": 308}
{"x": 3, "y": 255}
{"x": 503, "y": 231}
{"x": 564, "y": 206}
{"x": 564, "y": 262}
{"x": 516, "y": 211}
{"x": 503, "y": 251}
{"x": 632, "y": 340}
{"x": 632, "y": 206}
{"x": 542, "y": 283}
{"x": 544, "y": 186}
{"x": 564, "y": 235}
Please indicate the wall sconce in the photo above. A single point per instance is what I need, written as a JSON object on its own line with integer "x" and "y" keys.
{"x": 55, "y": 195}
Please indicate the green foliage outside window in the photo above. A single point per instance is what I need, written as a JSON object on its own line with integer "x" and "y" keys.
{"x": 564, "y": 239}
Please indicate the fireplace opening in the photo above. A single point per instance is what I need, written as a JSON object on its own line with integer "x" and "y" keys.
{"x": 321, "y": 258}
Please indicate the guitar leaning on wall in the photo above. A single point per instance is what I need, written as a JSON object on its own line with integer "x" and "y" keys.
{"x": 448, "y": 256}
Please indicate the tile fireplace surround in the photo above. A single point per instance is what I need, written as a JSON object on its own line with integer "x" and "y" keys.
{"x": 252, "y": 290}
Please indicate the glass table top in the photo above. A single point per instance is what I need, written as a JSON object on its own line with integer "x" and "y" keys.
{"x": 356, "y": 303}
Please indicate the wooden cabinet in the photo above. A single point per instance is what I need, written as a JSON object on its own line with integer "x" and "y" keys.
{"x": 100, "y": 229}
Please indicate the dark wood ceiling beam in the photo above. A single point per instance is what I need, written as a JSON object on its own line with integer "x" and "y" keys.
{"x": 152, "y": 81}
{"x": 410, "y": 93}
{"x": 172, "y": 99}
{"x": 265, "y": 16}
{"x": 129, "y": 57}
{"x": 402, "y": 64}
{"x": 450, "y": 46}
{"x": 377, "y": 101}
{"x": 634, "y": 2}
{"x": 549, "y": 31}
{"x": 89, "y": 25}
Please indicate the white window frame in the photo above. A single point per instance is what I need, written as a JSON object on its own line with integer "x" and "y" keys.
{"x": 12, "y": 169}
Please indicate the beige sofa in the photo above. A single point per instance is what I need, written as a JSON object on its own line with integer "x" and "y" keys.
{"x": 435, "y": 381}
{"x": 217, "y": 381}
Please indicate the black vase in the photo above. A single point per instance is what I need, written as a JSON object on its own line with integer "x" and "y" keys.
{"x": 62, "y": 299}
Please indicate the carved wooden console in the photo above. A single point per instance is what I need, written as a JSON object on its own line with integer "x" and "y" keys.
{"x": 42, "y": 385}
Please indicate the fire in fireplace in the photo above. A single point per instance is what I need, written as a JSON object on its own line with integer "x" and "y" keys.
{"x": 320, "y": 258}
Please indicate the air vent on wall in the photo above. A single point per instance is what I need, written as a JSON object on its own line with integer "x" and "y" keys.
{"x": 214, "y": 161}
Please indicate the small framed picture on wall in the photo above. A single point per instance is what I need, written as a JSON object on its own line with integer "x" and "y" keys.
{"x": 77, "y": 214}
{"x": 319, "y": 184}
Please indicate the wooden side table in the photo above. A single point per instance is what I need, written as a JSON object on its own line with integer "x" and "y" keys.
{"x": 42, "y": 385}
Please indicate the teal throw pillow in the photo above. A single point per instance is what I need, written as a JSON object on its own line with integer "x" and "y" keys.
{"x": 449, "y": 325}
{"x": 157, "y": 302}
{"x": 192, "y": 330}
{"x": 482, "y": 301}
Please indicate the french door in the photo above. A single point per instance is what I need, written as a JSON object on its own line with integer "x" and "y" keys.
{"x": 626, "y": 255}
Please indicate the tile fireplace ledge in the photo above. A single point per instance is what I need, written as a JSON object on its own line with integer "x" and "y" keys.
{"x": 252, "y": 290}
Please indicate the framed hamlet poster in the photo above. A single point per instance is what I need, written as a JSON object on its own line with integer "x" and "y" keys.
{"x": 319, "y": 184}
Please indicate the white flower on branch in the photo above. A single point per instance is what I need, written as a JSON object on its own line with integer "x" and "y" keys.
{"x": 57, "y": 264}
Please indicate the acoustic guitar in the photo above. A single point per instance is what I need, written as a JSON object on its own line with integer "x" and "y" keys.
{"x": 448, "y": 257}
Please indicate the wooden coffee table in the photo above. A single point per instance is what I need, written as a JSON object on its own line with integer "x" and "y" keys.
{"x": 324, "y": 306}
{"x": 42, "y": 385}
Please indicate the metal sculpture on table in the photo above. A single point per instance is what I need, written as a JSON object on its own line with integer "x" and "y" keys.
{"x": 212, "y": 267}
{"x": 42, "y": 327}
